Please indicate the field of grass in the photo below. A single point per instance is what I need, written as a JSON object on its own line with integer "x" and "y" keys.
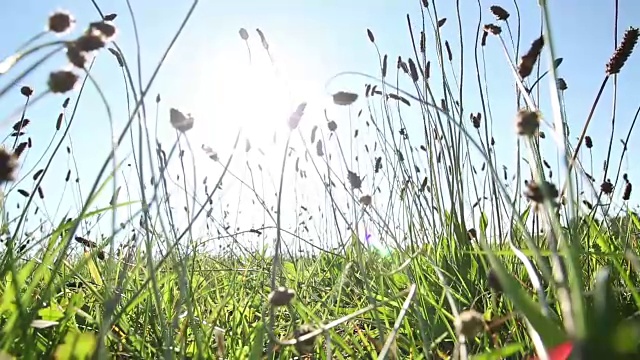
{"x": 422, "y": 248}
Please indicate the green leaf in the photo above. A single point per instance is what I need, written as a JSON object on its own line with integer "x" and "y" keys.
{"x": 503, "y": 352}
{"x": 256, "y": 349}
{"x": 77, "y": 346}
{"x": 43, "y": 324}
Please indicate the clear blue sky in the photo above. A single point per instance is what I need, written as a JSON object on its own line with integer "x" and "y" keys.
{"x": 311, "y": 40}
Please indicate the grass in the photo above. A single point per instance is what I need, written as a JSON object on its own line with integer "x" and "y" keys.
{"x": 469, "y": 264}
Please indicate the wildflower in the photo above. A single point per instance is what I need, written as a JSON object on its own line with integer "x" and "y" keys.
{"x": 560, "y": 352}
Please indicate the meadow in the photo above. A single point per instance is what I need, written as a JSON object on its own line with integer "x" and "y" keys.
{"x": 417, "y": 241}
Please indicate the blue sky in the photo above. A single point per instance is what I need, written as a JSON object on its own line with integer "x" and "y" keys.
{"x": 208, "y": 72}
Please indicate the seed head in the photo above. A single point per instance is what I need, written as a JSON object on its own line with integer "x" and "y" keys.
{"x": 528, "y": 60}
{"x": 62, "y": 81}
{"x": 332, "y": 126}
{"x": 344, "y": 98}
{"x": 8, "y": 166}
{"x": 562, "y": 84}
{"x": 305, "y": 346}
{"x": 60, "y": 22}
{"x": 537, "y": 193}
{"x": 627, "y": 192}
{"x": 476, "y": 120}
{"x": 179, "y": 121}
{"x": 76, "y": 57}
{"x": 281, "y": 296}
{"x": 473, "y": 234}
{"x": 469, "y": 323}
{"x": 91, "y": 41}
{"x": 606, "y": 187}
{"x": 365, "y": 200}
{"x": 295, "y": 118}
{"x": 499, "y": 12}
{"x": 104, "y": 28}
{"x": 623, "y": 51}
{"x": 243, "y": 34}
{"x": 26, "y": 91}
{"x": 413, "y": 71}
{"x": 492, "y": 29}
{"x": 354, "y": 180}
{"x": 527, "y": 122}
{"x": 588, "y": 142}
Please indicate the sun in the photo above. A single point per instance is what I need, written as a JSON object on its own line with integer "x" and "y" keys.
{"x": 236, "y": 91}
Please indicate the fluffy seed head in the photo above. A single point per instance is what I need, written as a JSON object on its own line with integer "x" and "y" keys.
{"x": 469, "y": 323}
{"x": 305, "y": 346}
{"x": 538, "y": 192}
{"x": 60, "y": 22}
{"x": 527, "y": 122}
{"x": 62, "y": 81}
{"x": 281, "y": 296}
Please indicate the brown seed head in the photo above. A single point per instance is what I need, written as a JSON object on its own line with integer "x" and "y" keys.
{"x": 588, "y": 142}
{"x": 527, "y": 122}
{"x": 8, "y": 166}
{"x": 332, "y": 125}
{"x": 476, "y": 120}
{"x": 305, "y": 346}
{"x": 104, "y": 28}
{"x": 365, "y": 200}
{"x": 344, "y": 98}
{"x": 607, "y": 187}
{"x": 61, "y": 22}
{"x": 90, "y": 41}
{"x": 26, "y": 91}
{"x": 62, "y": 81}
{"x": 413, "y": 70}
{"x": 499, "y": 12}
{"x": 623, "y": 51}
{"x": 528, "y": 60}
{"x": 562, "y": 84}
{"x": 76, "y": 57}
{"x": 469, "y": 323}
{"x": 627, "y": 192}
{"x": 492, "y": 29}
{"x": 537, "y": 193}
{"x": 281, "y": 296}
